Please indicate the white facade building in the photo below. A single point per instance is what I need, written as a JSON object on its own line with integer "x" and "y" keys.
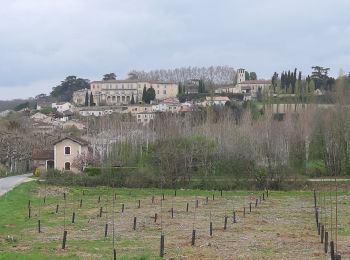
{"x": 145, "y": 118}
{"x": 62, "y": 106}
{"x": 121, "y": 92}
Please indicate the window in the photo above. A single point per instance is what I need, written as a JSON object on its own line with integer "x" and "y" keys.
{"x": 164, "y": 92}
{"x": 67, "y": 166}
{"x": 67, "y": 150}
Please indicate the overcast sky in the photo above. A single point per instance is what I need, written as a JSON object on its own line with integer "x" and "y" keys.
{"x": 43, "y": 41}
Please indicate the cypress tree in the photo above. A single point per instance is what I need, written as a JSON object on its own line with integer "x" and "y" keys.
{"x": 86, "y": 99}
{"x": 91, "y": 100}
{"x": 247, "y": 76}
{"x": 132, "y": 102}
{"x": 144, "y": 94}
{"x": 283, "y": 80}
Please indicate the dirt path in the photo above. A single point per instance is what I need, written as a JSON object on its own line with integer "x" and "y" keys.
{"x": 8, "y": 183}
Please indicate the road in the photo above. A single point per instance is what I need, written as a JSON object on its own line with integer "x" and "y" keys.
{"x": 8, "y": 183}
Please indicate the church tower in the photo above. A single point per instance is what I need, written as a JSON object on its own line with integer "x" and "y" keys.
{"x": 241, "y": 76}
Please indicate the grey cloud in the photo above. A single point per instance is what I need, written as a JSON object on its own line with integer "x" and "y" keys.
{"x": 46, "y": 40}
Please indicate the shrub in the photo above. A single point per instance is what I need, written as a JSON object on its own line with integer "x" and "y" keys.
{"x": 37, "y": 172}
{"x": 260, "y": 177}
{"x": 3, "y": 170}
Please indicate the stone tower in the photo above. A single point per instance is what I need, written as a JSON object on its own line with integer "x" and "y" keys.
{"x": 241, "y": 75}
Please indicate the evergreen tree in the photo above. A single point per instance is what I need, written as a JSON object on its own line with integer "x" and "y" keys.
{"x": 109, "y": 76}
{"x": 283, "y": 80}
{"x": 294, "y": 80}
{"x": 64, "y": 91}
{"x": 144, "y": 94}
{"x": 247, "y": 76}
{"x": 253, "y": 76}
{"x": 150, "y": 95}
{"x": 91, "y": 100}
{"x": 201, "y": 86}
{"x": 132, "y": 102}
{"x": 86, "y": 99}
{"x": 274, "y": 81}
{"x": 288, "y": 79}
{"x": 299, "y": 77}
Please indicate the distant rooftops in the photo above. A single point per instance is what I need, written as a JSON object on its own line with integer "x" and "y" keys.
{"x": 261, "y": 81}
{"x": 130, "y": 81}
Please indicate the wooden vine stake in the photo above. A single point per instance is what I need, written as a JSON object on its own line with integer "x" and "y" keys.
{"x": 193, "y": 237}
{"x": 106, "y": 230}
{"x": 225, "y": 223}
{"x": 39, "y": 226}
{"x": 64, "y": 239}
{"x": 161, "y": 253}
{"x": 134, "y": 226}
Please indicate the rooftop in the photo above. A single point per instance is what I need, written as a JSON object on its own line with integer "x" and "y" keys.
{"x": 74, "y": 139}
{"x": 43, "y": 154}
{"x": 131, "y": 81}
{"x": 260, "y": 81}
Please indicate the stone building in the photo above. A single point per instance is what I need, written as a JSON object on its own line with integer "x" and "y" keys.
{"x": 80, "y": 95}
{"x": 66, "y": 150}
{"x": 121, "y": 92}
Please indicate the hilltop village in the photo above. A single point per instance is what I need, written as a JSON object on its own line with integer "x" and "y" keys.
{"x": 80, "y": 115}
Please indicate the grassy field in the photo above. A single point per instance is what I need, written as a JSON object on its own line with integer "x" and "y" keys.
{"x": 280, "y": 227}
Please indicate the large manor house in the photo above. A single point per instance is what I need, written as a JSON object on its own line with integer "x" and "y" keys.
{"x": 121, "y": 92}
